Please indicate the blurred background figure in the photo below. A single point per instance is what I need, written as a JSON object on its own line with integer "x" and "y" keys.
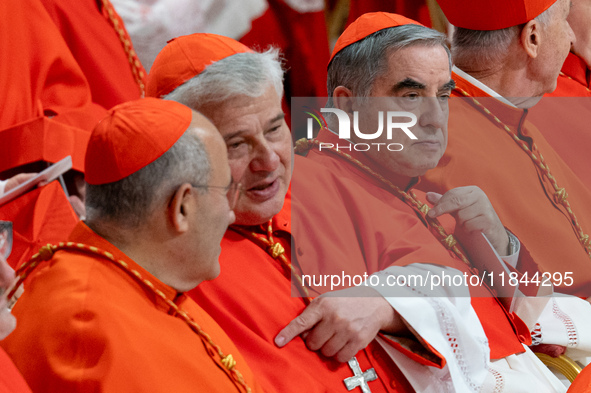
{"x": 562, "y": 116}
{"x": 10, "y": 379}
{"x": 13, "y": 182}
{"x": 69, "y": 62}
{"x": 303, "y": 30}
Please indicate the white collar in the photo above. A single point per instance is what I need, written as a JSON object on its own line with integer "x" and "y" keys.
{"x": 482, "y": 86}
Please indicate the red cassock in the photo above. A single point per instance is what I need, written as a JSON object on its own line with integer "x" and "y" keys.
{"x": 252, "y": 299}
{"x": 303, "y": 41}
{"x": 574, "y": 79}
{"x": 346, "y": 220}
{"x": 562, "y": 117}
{"x": 582, "y": 383}
{"x": 414, "y": 9}
{"x": 10, "y": 379}
{"x": 47, "y": 111}
{"x": 481, "y": 152}
{"x": 87, "y": 325}
{"x": 97, "y": 48}
{"x": 43, "y": 215}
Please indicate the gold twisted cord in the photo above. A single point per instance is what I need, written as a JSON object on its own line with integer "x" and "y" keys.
{"x": 560, "y": 194}
{"x": 568, "y": 77}
{"x": 46, "y": 253}
{"x": 277, "y": 252}
{"x": 138, "y": 71}
{"x": 450, "y": 243}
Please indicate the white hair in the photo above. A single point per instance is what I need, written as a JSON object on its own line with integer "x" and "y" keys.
{"x": 246, "y": 73}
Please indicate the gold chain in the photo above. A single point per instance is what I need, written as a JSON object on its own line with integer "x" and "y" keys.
{"x": 46, "y": 253}
{"x": 138, "y": 71}
{"x": 450, "y": 243}
{"x": 276, "y": 251}
{"x": 560, "y": 194}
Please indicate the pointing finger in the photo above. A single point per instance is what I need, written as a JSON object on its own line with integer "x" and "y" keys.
{"x": 302, "y": 323}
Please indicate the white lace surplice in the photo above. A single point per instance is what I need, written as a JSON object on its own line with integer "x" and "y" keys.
{"x": 446, "y": 320}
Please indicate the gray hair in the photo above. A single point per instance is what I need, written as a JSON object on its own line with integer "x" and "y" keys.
{"x": 129, "y": 201}
{"x": 246, "y": 73}
{"x": 358, "y": 65}
{"x": 481, "y": 48}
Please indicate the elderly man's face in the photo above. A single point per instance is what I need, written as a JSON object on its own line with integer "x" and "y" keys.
{"x": 212, "y": 215}
{"x": 579, "y": 20}
{"x": 418, "y": 80}
{"x": 259, "y": 152}
{"x": 557, "y": 39}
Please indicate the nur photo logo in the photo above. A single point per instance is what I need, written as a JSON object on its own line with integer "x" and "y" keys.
{"x": 388, "y": 122}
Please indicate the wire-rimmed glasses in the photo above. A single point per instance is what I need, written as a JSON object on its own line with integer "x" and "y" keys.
{"x": 232, "y": 191}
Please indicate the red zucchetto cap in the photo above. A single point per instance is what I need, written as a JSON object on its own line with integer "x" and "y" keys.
{"x": 492, "y": 14}
{"x": 133, "y": 135}
{"x": 187, "y": 56}
{"x": 368, "y": 24}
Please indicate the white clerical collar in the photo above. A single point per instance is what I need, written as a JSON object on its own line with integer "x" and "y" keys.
{"x": 482, "y": 86}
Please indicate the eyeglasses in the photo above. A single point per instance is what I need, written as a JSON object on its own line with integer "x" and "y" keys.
{"x": 232, "y": 191}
